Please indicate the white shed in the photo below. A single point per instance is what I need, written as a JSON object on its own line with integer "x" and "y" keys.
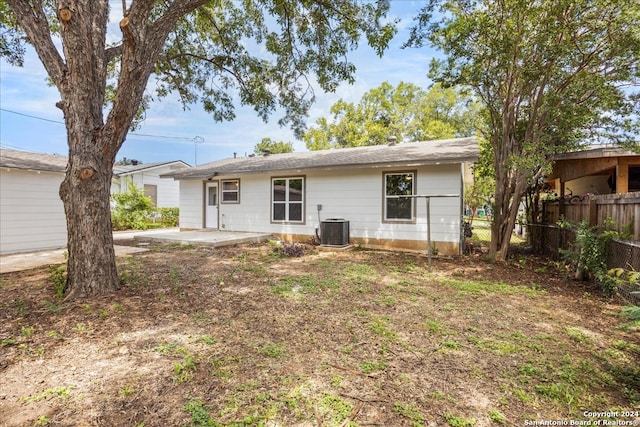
{"x": 295, "y": 195}
{"x": 163, "y": 192}
{"x": 31, "y": 212}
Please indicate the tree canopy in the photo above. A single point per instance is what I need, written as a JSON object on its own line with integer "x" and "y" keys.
{"x": 261, "y": 53}
{"x": 273, "y": 147}
{"x": 551, "y": 74}
{"x": 405, "y": 111}
{"x": 127, "y": 162}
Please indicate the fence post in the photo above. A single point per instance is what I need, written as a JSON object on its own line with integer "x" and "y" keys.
{"x": 593, "y": 212}
{"x": 636, "y": 221}
{"x": 561, "y": 208}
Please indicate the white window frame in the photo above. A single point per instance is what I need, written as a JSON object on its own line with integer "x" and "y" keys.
{"x": 287, "y": 203}
{"x": 225, "y": 192}
{"x": 386, "y": 198}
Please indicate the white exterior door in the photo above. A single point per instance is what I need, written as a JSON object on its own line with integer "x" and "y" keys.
{"x": 211, "y": 208}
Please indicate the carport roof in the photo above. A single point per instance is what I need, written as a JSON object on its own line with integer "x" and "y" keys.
{"x": 407, "y": 154}
{"x": 596, "y": 152}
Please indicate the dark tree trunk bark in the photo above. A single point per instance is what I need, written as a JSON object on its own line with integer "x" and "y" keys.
{"x": 81, "y": 78}
{"x": 85, "y": 193}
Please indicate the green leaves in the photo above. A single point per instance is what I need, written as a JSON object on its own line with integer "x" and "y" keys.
{"x": 551, "y": 74}
{"x": 405, "y": 111}
{"x": 557, "y": 67}
{"x": 274, "y": 147}
{"x": 11, "y": 38}
{"x": 266, "y": 53}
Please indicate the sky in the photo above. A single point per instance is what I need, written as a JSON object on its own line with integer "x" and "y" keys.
{"x": 30, "y": 121}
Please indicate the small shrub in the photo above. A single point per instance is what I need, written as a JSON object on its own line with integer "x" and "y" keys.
{"x": 632, "y": 312}
{"x": 168, "y": 217}
{"x": 589, "y": 254}
{"x": 410, "y": 412}
{"x": 42, "y": 421}
{"x": 132, "y": 209}
{"x": 7, "y": 342}
{"x": 206, "y": 339}
{"x": 292, "y": 250}
{"x": 58, "y": 278}
{"x": 368, "y": 367}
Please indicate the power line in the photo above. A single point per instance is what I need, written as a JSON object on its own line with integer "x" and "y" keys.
{"x": 31, "y": 117}
{"x": 13, "y": 147}
{"x": 182, "y": 138}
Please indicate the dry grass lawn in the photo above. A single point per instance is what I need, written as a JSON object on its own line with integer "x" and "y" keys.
{"x": 244, "y": 337}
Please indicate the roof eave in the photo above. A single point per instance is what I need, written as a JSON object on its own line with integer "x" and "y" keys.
{"x": 142, "y": 169}
{"x": 595, "y": 154}
{"x": 29, "y": 169}
{"x": 208, "y": 176}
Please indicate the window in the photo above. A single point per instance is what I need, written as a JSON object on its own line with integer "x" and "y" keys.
{"x": 287, "y": 199}
{"x": 151, "y": 191}
{"x": 231, "y": 191}
{"x": 634, "y": 179}
{"x": 399, "y": 208}
{"x": 212, "y": 196}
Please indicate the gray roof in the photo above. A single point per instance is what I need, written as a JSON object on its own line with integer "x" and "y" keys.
{"x": 404, "y": 155}
{"x": 130, "y": 169}
{"x": 15, "y": 159}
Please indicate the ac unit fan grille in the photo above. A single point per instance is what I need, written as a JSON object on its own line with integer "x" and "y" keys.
{"x": 334, "y": 232}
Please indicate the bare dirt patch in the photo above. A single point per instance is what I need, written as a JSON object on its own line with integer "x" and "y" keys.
{"x": 242, "y": 337}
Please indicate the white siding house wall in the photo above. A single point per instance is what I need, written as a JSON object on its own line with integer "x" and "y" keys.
{"x": 168, "y": 189}
{"x": 191, "y": 204}
{"x": 31, "y": 211}
{"x": 352, "y": 194}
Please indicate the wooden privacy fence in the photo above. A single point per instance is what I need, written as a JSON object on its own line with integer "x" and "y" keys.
{"x": 622, "y": 209}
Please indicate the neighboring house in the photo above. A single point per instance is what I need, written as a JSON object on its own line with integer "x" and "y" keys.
{"x": 31, "y": 212}
{"x": 599, "y": 185}
{"x": 598, "y": 170}
{"x": 165, "y": 193}
{"x": 291, "y": 194}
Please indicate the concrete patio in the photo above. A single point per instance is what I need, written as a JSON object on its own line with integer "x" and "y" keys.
{"x": 25, "y": 261}
{"x": 205, "y": 237}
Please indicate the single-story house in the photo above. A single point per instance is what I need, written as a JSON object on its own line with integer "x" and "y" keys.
{"x": 31, "y": 212}
{"x": 596, "y": 170}
{"x": 294, "y": 195}
{"x": 163, "y": 192}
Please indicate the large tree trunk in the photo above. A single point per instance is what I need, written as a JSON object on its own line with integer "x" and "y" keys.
{"x": 81, "y": 78}
{"x": 85, "y": 193}
{"x": 85, "y": 189}
{"x": 508, "y": 199}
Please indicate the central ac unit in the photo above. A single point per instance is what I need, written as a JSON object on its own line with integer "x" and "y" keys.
{"x": 334, "y": 232}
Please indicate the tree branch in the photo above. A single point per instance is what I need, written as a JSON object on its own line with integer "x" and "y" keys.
{"x": 32, "y": 19}
{"x": 142, "y": 44}
{"x": 176, "y": 10}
